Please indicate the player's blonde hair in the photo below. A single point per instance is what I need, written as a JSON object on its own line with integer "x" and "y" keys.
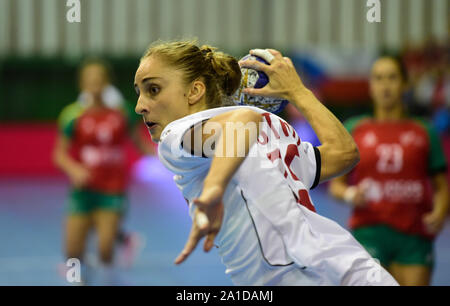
{"x": 219, "y": 71}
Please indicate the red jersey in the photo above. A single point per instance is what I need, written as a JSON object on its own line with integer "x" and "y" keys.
{"x": 98, "y": 138}
{"x": 397, "y": 159}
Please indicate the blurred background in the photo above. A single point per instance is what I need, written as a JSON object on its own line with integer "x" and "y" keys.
{"x": 331, "y": 43}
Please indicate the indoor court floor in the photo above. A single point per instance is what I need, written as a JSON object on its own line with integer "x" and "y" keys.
{"x": 31, "y": 219}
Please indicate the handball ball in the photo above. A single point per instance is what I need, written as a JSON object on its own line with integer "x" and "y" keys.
{"x": 257, "y": 79}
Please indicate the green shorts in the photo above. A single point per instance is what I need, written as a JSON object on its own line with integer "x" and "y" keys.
{"x": 391, "y": 246}
{"x": 83, "y": 201}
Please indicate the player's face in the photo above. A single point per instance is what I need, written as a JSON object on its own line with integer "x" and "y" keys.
{"x": 386, "y": 83}
{"x": 161, "y": 94}
{"x": 93, "y": 79}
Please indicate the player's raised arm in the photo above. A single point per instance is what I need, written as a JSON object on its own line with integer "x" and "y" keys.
{"x": 338, "y": 151}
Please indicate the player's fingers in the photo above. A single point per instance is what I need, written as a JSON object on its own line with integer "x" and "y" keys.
{"x": 194, "y": 238}
{"x": 263, "y": 53}
{"x": 200, "y": 204}
{"x": 277, "y": 54}
{"x": 78, "y": 183}
{"x": 433, "y": 222}
{"x": 256, "y": 65}
{"x": 428, "y": 218}
{"x": 256, "y": 92}
{"x": 432, "y": 228}
{"x": 209, "y": 241}
{"x": 289, "y": 61}
{"x": 181, "y": 257}
{"x": 200, "y": 215}
{"x": 435, "y": 226}
{"x": 201, "y": 220}
{"x": 184, "y": 254}
{"x": 439, "y": 227}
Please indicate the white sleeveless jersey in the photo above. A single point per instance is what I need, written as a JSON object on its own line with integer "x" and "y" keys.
{"x": 270, "y": 233}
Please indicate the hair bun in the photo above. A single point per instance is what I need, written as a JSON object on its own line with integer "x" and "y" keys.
{"x": 225, "y": 69}
{"x": 207, "y": 51}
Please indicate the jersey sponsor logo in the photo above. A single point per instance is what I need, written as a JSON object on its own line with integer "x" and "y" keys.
{"x": 369, "y": 140}
{"x": 94, "y": 156}
{"x": 399, "y": 191}
{"x": 411, "y": 138}
{"x": 407, "y": 138}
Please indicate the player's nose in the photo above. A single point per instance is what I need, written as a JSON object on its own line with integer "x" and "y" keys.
{"x": 141, "y": 108}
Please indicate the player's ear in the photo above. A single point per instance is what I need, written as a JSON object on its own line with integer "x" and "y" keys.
{"x": 196, "y": 92}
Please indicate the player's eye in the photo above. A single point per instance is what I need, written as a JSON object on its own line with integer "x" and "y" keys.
{"x": 138, "y": 92}
{"x": 393, "y": 77}
{"x": 153, "y": 89}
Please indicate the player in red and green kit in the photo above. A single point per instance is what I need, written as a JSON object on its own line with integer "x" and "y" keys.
{"x": 91, "y": 151}
{"x": 398, "y": 191}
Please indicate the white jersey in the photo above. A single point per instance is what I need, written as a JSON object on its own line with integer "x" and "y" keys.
{"x": 270, "y": 233}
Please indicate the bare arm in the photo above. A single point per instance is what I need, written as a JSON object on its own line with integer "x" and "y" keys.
{"x": 77, "y": 173}
{"x": 339, "y": 152}
{"x": 338, "y": 186}
{"x": 225, "y": 163}
{"x": 223, "y": 166}
{"x": 436, "y": 218}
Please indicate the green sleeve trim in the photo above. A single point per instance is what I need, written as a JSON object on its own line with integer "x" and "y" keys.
{"x": 352, "y": 123}
{"x": 69, "y": 113}
{"x": 69, "y": 129}
{"x": 436, "y": 157}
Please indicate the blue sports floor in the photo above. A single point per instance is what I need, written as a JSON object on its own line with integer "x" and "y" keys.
{"x": 31, "y": 219}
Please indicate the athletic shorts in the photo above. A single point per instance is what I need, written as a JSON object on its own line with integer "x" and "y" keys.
{"x": 389, "y": 246}
{"x": 83, "y": 201}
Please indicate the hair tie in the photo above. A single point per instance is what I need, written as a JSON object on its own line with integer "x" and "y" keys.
{"x": 207, "y": 53}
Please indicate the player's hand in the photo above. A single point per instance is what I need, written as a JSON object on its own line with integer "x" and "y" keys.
{"x": 434, "y": 221}
{"x": 356, "y": 196}
{"x": 79, "y": 176}
{"x": 207, "y": 221}
{"x": 284, "y": 81}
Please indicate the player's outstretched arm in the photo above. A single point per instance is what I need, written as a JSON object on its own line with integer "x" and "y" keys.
{"x": 230, "y": 150}
{"x": 338, "y": 151}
